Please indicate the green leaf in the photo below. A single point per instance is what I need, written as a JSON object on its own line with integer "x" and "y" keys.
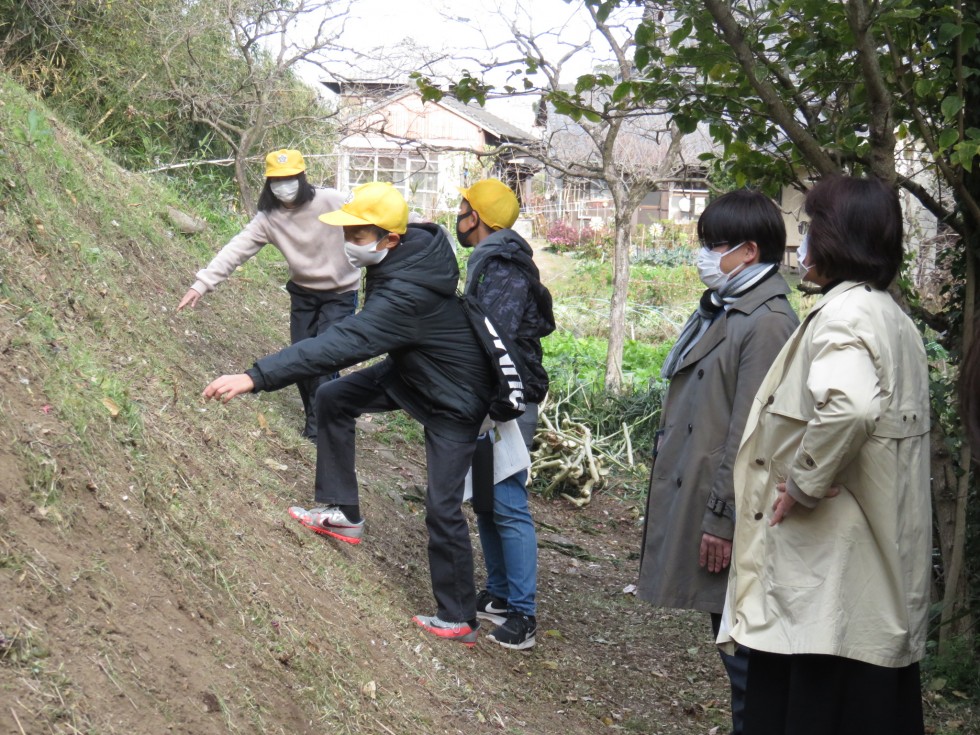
{"x": 641, "y": 58}
{"x": 951, "y": 107}
{"x": 949, "y": 31}
{"x": 970, "y": 31}
{"x": 718, "y": 72}
{"x": 584, "y": 83}
{"x": 923, "y": 87}
{"x": 905, "y": 13}
{"x": 948, "y": 137}
{"x": 965, "y": 153}
{"x": 622, "y": 91}
{"x": 643, "y": 34}
{"x": 686, "y": 124}
{"x": 681, "y": 33}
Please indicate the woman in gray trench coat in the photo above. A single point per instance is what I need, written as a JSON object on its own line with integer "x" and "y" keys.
{"x": 715, "y": 368}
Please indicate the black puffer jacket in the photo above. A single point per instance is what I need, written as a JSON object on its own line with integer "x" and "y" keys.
{"x": 437, "y": 370}
{"x": 504, "y": 279}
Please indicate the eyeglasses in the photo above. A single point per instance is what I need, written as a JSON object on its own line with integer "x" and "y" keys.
{"x": 803, "y": 226}
{"x": 713, "y": 245}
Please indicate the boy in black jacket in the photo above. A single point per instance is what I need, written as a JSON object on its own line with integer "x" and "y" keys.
{"x": 435, "y": 370}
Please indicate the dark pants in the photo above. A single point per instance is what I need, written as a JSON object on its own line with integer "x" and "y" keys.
{"x": 737, "y": 666}
{"x": 338, "y": 404}
{"x": 807, "y": 694}
{"x": 310, "y": 314}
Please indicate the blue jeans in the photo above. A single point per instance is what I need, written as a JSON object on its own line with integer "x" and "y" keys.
{"x": 510, "y": 545}
{"x": 508, "y": 538}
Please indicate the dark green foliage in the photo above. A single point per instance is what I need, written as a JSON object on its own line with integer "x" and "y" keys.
{"x": 163, "y": 81}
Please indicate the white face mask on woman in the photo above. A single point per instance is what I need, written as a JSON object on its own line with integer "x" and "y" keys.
{"x": 801, "y": 253}
{"x": 709, "y": 267}
{"x": 361, "y": 256}
{"x": 285, "y": 191}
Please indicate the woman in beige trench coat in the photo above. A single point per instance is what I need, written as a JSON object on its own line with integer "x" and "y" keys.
{"x": 829, "y": 585}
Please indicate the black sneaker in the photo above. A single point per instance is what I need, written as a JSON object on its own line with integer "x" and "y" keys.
{"x": 491, "y": 608}
{"x": 517, "y": 631}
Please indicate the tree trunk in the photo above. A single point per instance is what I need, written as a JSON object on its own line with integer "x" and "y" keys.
{"x": 241, "y": 178}
{"x": 955, "y": 616}
{"x": 617, "y": 311}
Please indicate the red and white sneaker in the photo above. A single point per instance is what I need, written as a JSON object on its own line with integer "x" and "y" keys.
{"x": 329, "y": 521}
{"x": 461, "y": 632}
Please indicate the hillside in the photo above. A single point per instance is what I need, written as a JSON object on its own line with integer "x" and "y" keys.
{"x": 150, "y": 580}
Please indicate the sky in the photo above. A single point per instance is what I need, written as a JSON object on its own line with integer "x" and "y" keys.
{"x": 385, "y": 38}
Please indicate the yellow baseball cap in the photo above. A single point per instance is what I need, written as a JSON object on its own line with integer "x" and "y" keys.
{"x": 494, "y": 201}
{"x": 377, "y": 203}
{"x": 284, "y": 162}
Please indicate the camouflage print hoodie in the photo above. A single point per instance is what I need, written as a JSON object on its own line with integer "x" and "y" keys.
{"x": 502, "y": 276}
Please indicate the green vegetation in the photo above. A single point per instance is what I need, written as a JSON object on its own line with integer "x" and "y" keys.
{"x": 164, "y": 81}
{"x": 580, "y": 360}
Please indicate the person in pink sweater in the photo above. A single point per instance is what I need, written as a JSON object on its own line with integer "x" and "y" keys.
{"x": 322, "y": 282}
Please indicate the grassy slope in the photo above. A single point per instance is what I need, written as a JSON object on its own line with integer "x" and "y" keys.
{"x": 148, "y": 579}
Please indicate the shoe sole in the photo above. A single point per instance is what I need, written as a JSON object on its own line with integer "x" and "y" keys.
{"x": 491, "y": 617}
{"x": 332, "y": 534}
{"x": 522, "y": 646}
{"x": 467, "y": 639}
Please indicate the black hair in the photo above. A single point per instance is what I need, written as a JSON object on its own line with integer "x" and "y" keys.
{"x": 744, "y": 215}
{"x": 268, "y": 201}
{"x": 378, "y": 232}
{"x": 855, "y": 230}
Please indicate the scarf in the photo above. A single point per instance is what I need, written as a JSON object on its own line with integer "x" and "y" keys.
{"x": 711, "y": 305}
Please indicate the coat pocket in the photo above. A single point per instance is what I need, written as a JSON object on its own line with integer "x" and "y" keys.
{"x": 810, "y": 548}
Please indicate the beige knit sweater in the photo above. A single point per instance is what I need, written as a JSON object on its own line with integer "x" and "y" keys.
{"x": 314, "y": 251}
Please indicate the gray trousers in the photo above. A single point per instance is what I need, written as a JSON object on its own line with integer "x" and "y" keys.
{"x": 338, "y": 404}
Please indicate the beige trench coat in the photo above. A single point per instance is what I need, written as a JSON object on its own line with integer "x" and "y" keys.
{"x": 704, "y": 412}
{"x": 846, "y": 405}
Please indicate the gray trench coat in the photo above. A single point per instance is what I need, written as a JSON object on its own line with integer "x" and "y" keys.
{"x": 704, "y": 413}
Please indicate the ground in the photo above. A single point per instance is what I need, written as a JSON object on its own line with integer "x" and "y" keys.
{"x": 105, "y": 641}
{"x": 109, "y": 638}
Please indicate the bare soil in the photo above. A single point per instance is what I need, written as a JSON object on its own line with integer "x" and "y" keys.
{"x": 110, "y": 628}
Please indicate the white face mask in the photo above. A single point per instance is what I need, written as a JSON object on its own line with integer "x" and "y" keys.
{"x": 285, "y": 191}
{"x": 802, "y": 268}
{"x": 361, "y": 256}
{"x": 709, "y": 267}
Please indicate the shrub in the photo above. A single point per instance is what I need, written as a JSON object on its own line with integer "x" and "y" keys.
{"x": 564, "y": 237}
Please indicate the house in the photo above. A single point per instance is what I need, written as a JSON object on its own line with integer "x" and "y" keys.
{"x": 576, "y": 193}
{"x": 426, "y": 149}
